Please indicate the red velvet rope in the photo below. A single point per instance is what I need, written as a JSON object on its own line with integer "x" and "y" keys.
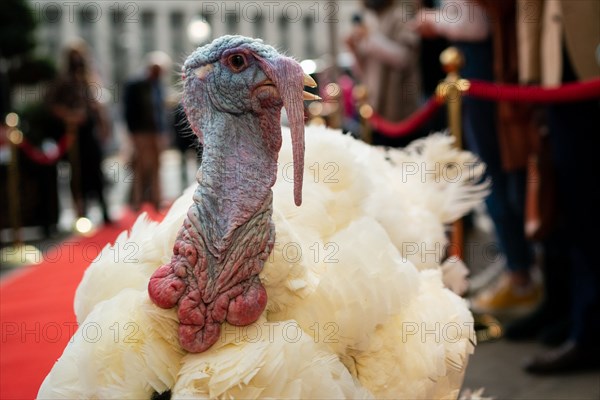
{"x": 39, "y": 157}
{"x": 409, "y": 125}
{"x": 569, "y": 92}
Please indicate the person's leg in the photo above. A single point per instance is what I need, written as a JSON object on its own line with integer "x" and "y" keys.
{"x": 95, "y": 180}
{"x": 505, "y": 205}
{"x": 139, "y": 170}
{"x": 550, "y": 321}
{"x": 103, "y": 205}
{"x": 154, "y": 170}
{"x": 576, "y": 146}
{"x": 506, "y": 201}
{"x": 572, "y": 130}
{"x": 508, "y": 217}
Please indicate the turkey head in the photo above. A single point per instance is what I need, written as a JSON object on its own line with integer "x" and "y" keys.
{"x": 234, "y": 89}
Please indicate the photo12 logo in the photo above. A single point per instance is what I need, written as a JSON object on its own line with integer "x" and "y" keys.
{"x": 451, "y": 332}
{"x": 270, "y": 11}
{"x": 54, "y": 332}
{"x": 272, "y": 331}
{"x": 87, "y": 11}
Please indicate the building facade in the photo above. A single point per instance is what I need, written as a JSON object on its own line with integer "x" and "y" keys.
{"x": 120, "y": 33}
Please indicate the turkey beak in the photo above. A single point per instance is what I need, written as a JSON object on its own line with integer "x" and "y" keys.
{"x": 290, "y": 80}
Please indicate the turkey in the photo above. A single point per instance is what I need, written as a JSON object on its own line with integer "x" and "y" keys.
{"x": 244, "y": 294}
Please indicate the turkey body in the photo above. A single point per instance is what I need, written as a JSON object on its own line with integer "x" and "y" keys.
{"x": 356, "y": 304}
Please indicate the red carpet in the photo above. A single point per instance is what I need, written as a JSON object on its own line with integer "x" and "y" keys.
{"x": 36, "y": 311}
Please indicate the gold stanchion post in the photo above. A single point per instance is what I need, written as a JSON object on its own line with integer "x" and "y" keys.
{"x": 365, "y": 111}
{"x": 19, "y": 253}
{"x": 487, "y": 327}
{"x": 451, "y": 89}
{"x": 333, "y": 107}
{"x": 15, "y": 137}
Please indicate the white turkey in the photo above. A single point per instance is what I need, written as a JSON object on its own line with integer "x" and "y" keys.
{"x": 246, "y": 295}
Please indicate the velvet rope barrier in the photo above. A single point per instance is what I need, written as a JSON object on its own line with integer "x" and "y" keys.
{"x": 41, "y": 157}
{"x": 569, "y": 92}
{"x": 409, "y": 125}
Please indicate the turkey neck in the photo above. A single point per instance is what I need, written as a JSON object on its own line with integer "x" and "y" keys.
{"x": 238, "y": 170}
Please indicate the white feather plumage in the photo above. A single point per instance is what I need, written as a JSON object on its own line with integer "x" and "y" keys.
{"x": 341, "y": 277}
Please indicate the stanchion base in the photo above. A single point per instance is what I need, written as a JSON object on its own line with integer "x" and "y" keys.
{"x": 20, "y": 255}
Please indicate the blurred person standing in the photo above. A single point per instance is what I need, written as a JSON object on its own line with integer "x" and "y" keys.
{"x": 145, "y": 114}
{"x": 559, "y": 42}
{"x": 524, "y": 145}
{"x": 387, "y": 61}
{"x": 73, "y": 101}
{"x": 467, "y": 25}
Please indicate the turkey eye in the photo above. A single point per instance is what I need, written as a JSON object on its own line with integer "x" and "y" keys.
{"x": 237, "y": 62}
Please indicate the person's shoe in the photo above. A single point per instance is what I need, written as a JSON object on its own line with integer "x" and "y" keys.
{"x": 505, "y": 297}
{"x": 570, "y": 357}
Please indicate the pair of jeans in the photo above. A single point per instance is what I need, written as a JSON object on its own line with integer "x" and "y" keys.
{"x": 506, "y": 202}
{"x": 575, "y": 142}
{"x": 573, "y": 129}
